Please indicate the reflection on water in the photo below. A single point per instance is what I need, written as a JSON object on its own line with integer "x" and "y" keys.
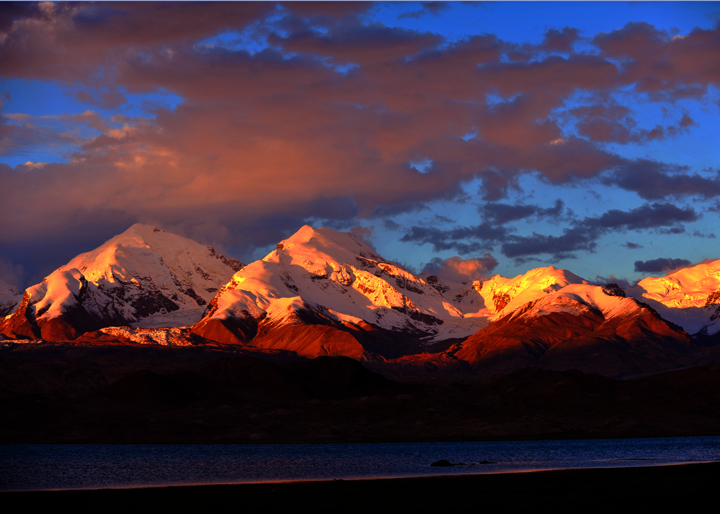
{"x": 68, "y": 466}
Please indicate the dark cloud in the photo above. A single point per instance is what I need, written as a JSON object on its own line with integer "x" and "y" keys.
{"x": 464, "y": 240}
{"x": 614, "y": 123}
{"x": 661, "y": 65}
{"x": 12, "y": 11}
{"x": 612, "y": 279}
{"x": 654, "y": 180}
{"x": 678, "y": 229}
{"x": 364, "y": 234}
{"x": 633, "y": 246}
{"x": 496, "y": 183}
{"x": 391, "y": 225}
{"x": 334, "y": 9}
{"x": 709, "y": 235}
{"x": 68, "y": 40}
{"x": 500, "y": 213}
{"x": 12, "y": 274}
{"x": 582, "y": 236}
{"x": 360, "y": 43}
{"x": 572, "y": 240}
{"x": 433, "y": 8}
{"x": 659, "y": 265}
{"x": 560, "y": 40}
{"x": 646, "y": 216}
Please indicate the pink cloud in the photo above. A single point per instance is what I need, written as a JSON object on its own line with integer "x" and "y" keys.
{"x": 456, "y": 269}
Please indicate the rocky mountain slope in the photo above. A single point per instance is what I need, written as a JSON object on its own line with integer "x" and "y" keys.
{"x": 144, "y": 276}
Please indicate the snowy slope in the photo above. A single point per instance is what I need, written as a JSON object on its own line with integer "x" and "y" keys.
{"x": 499, "y": 296}
{"x": 577, "y": 299}
{"x": 10, "y": 297}
{"x": 338, "y": 274}
{"x": 133, "y": 278}
{"x": 689, "y": 297}
{"x": 333, "y": 278}
{"x": 579, "y": 326}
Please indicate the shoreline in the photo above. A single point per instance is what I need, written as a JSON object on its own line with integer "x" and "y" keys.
{"x": 636, "y": 486}
{"x": 355, "y": 479}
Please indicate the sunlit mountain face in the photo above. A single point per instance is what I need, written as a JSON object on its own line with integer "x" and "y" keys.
{"x": 462, "y": 141}
{"x": 322, "y": 292}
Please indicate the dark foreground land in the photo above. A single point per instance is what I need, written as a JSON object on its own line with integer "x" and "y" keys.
{"x": 690, "y": 487}
{"x": 75, "y": 394}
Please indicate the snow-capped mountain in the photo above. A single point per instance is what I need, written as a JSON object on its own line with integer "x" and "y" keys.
{"x": 582, "y": 326}
{"x": 144, "y": 276}
{"x": 332, "y": 279}
{"x": 323, "y": 292}
{"x": 499, "y": 296}
{"x": 320, "y": 277}
{"x": 689, "y": 297}
{"x": 10, "y": 297}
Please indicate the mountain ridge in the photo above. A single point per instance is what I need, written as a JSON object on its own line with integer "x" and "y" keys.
{"x": 141, "y": 273}
{"x": 326, "y": 293}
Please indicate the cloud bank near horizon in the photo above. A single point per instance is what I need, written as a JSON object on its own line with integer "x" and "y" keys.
{"x": 327, "y": 112}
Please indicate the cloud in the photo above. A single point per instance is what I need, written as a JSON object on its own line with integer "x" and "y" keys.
{"x": 708, "y": 235}
{"x": 270, "y": 136}
{"x": 364, "y": 234}
{"x": 12, "y": 274}
{"x": 560, "y": 40}
{"x": 366, "y": 45}
{"x": 326, "y": 9}
{"x": 500, "y": 213}
{"x": 614, "y": 123}
{"x": 456, "y": 269}
{"x": 464, "y": 240}
{"x": 583, "y": 234}
{"x": 653, "y": 180}
{"x": 612, "y": 279}
{"x": 572, "y": 240}
{"x": 432, "y": 8}
{"x": 646, "y": 216}
{"x": 632, "y": 246}
{"x": 497, "y": 183}
{"x": 663, "y": 265}
{"x": 660, "y": 65}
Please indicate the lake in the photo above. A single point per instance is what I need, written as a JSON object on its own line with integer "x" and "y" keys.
{"x": 57, "y": 466}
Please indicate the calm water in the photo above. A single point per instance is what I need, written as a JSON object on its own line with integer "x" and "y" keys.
{"x": 99, "y": 466}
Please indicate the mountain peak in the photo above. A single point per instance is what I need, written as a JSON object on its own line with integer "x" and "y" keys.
{"x": 143, "y": 275}
{"x": 688, "y": 297}
{"x": 324, "y": 244}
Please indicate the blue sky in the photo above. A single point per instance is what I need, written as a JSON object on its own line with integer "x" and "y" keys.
{"x": 581, "y": 135}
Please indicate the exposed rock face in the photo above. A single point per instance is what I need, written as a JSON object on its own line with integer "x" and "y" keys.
{"x": 613, "y": 290}
{"x": 132, "y": 278}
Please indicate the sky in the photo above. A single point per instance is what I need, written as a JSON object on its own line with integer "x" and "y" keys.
{"x": 465, "y": 139}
